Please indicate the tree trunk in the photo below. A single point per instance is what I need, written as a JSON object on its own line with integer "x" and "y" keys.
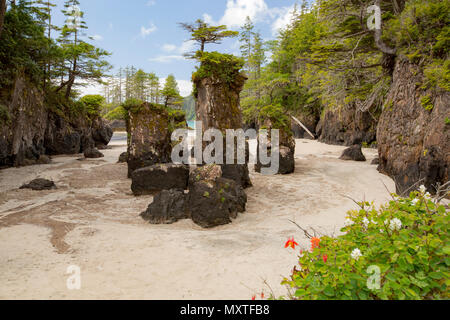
{"x": 2, "y": 14}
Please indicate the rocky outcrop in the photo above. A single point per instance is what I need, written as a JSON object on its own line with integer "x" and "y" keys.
{"x": 347, "y": 126}
{"x": 218, "y": 107}
{"x": 32, "y": 128}
{"x": 149, "y": 137}
{"x": 413, "y": 132}
{"x": 353, "y": 153}
{"x": 211, "y": 200}
{"x": 286, "y": 149}
{"x": 159, "y": 177}
{"x": 39, "y": 185}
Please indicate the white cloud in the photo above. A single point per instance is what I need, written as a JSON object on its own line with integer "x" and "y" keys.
{"x": 238, "y": 10}
{"x": 147, "y": 31}
{"x": 178, "y": 52}
{"x": 169, "y": 47}
{"x": 166, "y": 59}
{"x": 285, "y": 16}
{"x": 187, "y": 46}
{"x": 151, "y": 3}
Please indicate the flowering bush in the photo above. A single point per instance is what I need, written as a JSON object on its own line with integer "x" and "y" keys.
{"x": 400, "y": 251}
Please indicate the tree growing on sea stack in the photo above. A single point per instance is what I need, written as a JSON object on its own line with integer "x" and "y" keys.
{"x": 204, "y": 33}
{"x": 218, "y": 82}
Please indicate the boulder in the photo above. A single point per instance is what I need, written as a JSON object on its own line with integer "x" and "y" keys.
{"x": 39, "y": 185}
{"x": 43, "y": 159}
{"x": 123, "y": 158}
{"x": 215, "y": 202}
{"x": 159, "y": 177}
{"x": 101, "y": 133}
{"x": 93, "y": 153}
{"x": 353, "y": 153}
{"x": 168, "y": 206}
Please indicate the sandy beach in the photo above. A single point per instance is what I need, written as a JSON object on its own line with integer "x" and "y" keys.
{"x": 92, "y": 221}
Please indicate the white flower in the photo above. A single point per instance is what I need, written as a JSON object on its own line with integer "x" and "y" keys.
{"x": 395, "y": 224}
{"x": 427, "y": 195}
{"x": 415, "y": 201}
{"x": 381, "y": 231}
{"x": 348, "y": 222}
{"x": 422, "y": 189}
{"x": 366, "y": 222}
{"x": 356, "y": 254}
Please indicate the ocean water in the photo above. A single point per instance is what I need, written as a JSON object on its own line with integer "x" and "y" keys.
{"x": 191, "y": 124}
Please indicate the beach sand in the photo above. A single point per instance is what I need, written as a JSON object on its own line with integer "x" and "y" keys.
{"x": 92, "y": 221}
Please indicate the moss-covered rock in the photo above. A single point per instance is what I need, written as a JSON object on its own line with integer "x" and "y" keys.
{"x": 149, "y": 135}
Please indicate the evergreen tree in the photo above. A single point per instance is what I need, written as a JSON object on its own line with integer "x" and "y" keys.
{"x": 171, "y": 93}
{"x": 203, "y": 33}
{"x": 81, "y": 60}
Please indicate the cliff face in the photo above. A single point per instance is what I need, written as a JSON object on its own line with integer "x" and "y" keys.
{"x": 413, "y": 132}
{"x": 218, "y": 104}
{"x": 29, "y": 130}
{"x": 347, "y": 126}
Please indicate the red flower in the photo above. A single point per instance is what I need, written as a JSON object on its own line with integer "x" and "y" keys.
{"x": 262, "y": 295}
{"x": 291, "y": 243}
{"x": 254, "y": 298}
{"x": 325, "y": 258}
{"x": 315, "y": 243}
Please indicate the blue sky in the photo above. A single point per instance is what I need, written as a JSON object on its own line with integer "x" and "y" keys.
{"x": 145, "y": 34}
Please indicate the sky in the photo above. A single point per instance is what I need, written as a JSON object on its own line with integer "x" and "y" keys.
{"x": 145, "y": 33}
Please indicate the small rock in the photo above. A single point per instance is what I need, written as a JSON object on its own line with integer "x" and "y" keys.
{"x": 375, "y": 161}
{"x": 43, "y": 159}
{"x": 353, "y": 153}
{"x": 159, "y": 177}
{"x": 39, "y": 185}
{"x": 93, "y": 153}
{"x": 123, "y": 158}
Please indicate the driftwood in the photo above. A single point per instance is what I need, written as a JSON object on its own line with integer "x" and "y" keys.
{"x": 304, "y": 127}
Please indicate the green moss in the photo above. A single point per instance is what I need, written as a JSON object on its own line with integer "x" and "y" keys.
{"x": 447, "y": 121}
{"x": 427, "y": 103}
{"x": 206, "y": 194}
{"x": 5, "y": 117}
{"x": 225, "y": 67}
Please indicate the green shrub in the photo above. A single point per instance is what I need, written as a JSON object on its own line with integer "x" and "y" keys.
{"x": 406, "y": 241}
{"x": 277, "y": 116}
{"x": 118, "y": 113}
{"x": 93, "y": 104}
{"x": 427, "y": 103}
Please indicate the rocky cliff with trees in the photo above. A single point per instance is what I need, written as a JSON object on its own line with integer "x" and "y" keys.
{"x": 41, "y": 66}
{"x": 351, "y": 84}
